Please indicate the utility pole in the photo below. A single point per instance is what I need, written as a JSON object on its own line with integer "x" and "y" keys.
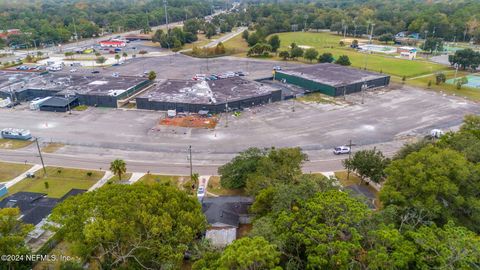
{"x": 190, "y": 158}
{"x": 371, "y": 33}
{"x": 364, "y": 87}
{"x": 75, "y": 30}
{"x": 349, "y": 157}
{"x": 41, "y": 158}
{"x": 68, "y": 104}
{"x": 166, "y": 14}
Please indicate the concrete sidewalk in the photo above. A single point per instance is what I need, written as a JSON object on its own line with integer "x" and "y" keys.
{"x": 135, "y": 177}
{"x": 101, "y": 182}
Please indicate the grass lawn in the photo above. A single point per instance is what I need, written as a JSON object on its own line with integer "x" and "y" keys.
{"x": 237, "y": 45}
{"x": 355, "y": 180}
{"x": 328, "y": 42}
{"x": 470, "y": 93}
{"x": 52, "y": 147}
{"x": 60, "y": 181}
{"x": 13, "y": 144}
{"x": 173, "y": 180}
{"x": 125, "y": 177}
{"x": 217, "y": 189}
{"x": 8, "y": 171}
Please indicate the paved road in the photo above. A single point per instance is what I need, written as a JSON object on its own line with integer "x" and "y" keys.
{"x": 226, "y": 37}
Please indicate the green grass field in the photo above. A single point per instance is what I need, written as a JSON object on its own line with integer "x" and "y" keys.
{"x": 216, "y": 188}
{"x": 162, "y": 179}
{"x": 60, "y": 181}
{"x": 328, "y": 42}
{"x": 8, "y": 171}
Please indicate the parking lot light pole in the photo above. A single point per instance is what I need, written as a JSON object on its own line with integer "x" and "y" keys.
{"x": 226, "y": 113}
{"x": 190, "y": 158}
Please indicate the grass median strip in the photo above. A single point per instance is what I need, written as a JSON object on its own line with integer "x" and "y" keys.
{"x": 13, "y": 144}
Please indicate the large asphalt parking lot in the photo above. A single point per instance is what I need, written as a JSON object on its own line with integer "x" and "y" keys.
{"x": 385, "y": 116}
{"x": 179, "y": 66}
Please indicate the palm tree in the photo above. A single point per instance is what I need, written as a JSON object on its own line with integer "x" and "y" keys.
{"x": 124, "y": 56}
{"x": 117, "y": 57}
{"x": 118, "y": 167}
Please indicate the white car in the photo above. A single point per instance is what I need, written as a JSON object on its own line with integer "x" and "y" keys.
{"x": 115, "y": 75}
{"x": 73, "y": 70}
{"x": 341, "y": 150}
{"x": 437, "y": 133}
{"x": 277, "y": 68}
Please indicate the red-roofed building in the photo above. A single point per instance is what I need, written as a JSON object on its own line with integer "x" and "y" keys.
{"x": 112, "y": 43}
{"x": 5, "y": 34}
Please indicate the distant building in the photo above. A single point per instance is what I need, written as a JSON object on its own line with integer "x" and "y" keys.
{"x": 112, "y": 43}
{"x": 91, "y": 90}
{"x": 225, "y": 215}
{"x": 3, "y": 190}
{"x": 6, "y": 33}
{"x": 332, "y": 79}
{"x": 133, "y": 37}
{"x": 407, "y": 52}
{"x": 59, "y": 104}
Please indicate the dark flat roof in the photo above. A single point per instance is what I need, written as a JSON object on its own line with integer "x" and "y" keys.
{"x": 58, "y": 102}
{"x": 206, "y": 92}
{"x": 226, "y": 209}
{"x": 333, "y": 74}
{"x": 68, "y": 83}
{"x": 34, "y": 206}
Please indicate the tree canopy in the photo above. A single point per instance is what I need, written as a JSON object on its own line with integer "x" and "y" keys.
{"x": 438, "y": 181}
{"x": 12, "y": 238}
{"x": 131, "y": 225}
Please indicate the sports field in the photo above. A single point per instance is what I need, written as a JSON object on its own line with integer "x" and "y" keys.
{"x": 328, "y": 42}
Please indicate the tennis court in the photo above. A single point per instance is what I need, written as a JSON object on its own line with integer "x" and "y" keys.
{"x": 473, "y": 81}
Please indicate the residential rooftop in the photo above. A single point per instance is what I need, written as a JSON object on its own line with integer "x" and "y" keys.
{"x": 206, "y": 92}
{"x": 332, "y": 74}
{"x": 35, "y": 206}
{"x": 68, "y": 84}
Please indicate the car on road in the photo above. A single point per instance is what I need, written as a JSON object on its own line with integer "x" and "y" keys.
{"x": 95, "y": 72}
{"x": 200, "y": 191}
{"x": 339, "y": 150}
{"x": 277, "y": 68}
{"x": 199, "y": 77}
{"x": 115, "y": 75}
{"x": 73, "y": 70}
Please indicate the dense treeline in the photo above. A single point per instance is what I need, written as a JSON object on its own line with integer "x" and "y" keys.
{"x": 51, "y": 21}
{"x": 428, "y": 217}
{"x": 444, "y": 19}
